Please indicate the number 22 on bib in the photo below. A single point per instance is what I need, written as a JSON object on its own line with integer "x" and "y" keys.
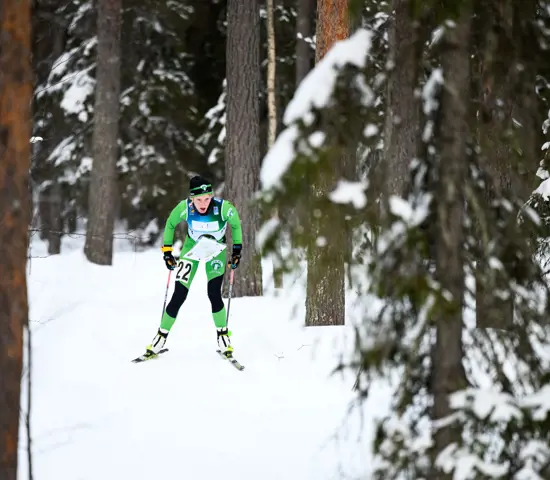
{"x": 183, "y": 271}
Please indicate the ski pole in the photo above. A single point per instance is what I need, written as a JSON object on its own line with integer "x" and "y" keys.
{"x": 231, "y": 276}
{"x": 166, "y": 292}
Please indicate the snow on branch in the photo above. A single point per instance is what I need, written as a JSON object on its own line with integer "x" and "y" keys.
{"x": 315, "y": 92}
{"x": 488, "y": 416}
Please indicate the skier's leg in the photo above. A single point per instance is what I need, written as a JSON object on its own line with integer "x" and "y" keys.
{"x": 169, "y": 317}
{"x": 185, "y": 273}
{"x": 214, "y": 273}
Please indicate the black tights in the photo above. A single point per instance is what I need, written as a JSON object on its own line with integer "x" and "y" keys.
{"x": 181, "y": 291}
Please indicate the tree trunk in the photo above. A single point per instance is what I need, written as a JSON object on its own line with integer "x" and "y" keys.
{"x": 403, "y": 109}
{"x": 56, "y": 220}
{"x": 272, "y": 106}
{"x": 304, "y": 35}
{"x": 509, "y": 151}
{"x": 332, "y": 25}
{"x": 325, "y": 299}
{"x": 16, "y": 85}
{"x": 48, "y": 43}
{"x": 242, "y": 150}
{"x": 271, "y": 75}
{"x": 448, "y": 371}
{"x": 103, "y": 181}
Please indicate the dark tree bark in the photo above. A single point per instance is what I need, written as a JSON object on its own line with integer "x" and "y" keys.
{"x": 55, "y": 220}
{"x": 448, "y": 371}
{"x": 16, "y": 84}
{"x": 325, "y": 299}
{"x": 242, "y": 149}
{"x": 48, "y": 43}
{"x": 103, "y": 180}
{"x": 304, "y": 30}
{"x": 403, "y": 109}
{"x": 506, "y": 85}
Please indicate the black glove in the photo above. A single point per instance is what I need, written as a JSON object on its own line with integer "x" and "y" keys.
{"x": 235, "y": 256}
{"x": 169, "y": 258}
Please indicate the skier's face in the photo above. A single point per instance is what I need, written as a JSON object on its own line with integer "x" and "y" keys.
{"x": 202, "y": 202}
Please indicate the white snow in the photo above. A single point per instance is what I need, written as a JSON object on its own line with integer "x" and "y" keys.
{"x": 370, "y": 130}
{"x": 314, "y": 92}
{"x": 317, "y": 87}
{"x": 321, "y": 242}
{"x": 74, "y": 98}
{"x": 544, "y": 189}
{"x": 317, "y": 139}
{"x": 487, "y": 403}
{"x": 63, "y": 151}
{"x": 466, "y": 466}
{"x": 412, "y": 216}
{"x": 216, "y": 117}
{"x": 266, "y": 231}
{"x": 187, "y": 414}
{"x": 429, "y": 91}
{"x": 279, "y": 157}
{"x": 350, "y": 192}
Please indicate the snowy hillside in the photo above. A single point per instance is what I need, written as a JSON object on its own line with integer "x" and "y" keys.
{"x": 187, "y": 414}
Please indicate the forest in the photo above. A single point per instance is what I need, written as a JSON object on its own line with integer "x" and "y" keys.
{"x": 396, "y": 151}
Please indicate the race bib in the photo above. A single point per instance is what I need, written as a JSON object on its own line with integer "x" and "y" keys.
{"x": 183, "y": 270}
{"x": 205, "y": 249}
{"x": 205, "y": 226}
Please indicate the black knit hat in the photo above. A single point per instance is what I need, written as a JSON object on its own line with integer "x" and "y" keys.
{"x": 199, "y": 186}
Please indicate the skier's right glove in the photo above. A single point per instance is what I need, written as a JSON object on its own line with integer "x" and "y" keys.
{"x": 169, "y": 258}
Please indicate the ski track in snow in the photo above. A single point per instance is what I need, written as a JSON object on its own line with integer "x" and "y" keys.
{"x": 186, "y": 414}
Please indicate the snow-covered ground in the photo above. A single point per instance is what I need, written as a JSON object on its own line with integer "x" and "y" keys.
{"x": 187, "y": 414}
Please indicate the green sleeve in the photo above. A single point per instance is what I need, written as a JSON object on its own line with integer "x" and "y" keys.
{"x": 177, "y": 215}
{"x": 230, "y": 213}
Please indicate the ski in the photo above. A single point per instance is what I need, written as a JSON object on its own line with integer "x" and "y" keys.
{"x": 145, "y": 356}
{"x": 232, "y": 360}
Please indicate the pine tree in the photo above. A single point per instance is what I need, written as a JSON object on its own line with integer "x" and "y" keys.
{"x": 448, "y": 375}
{"x": 328, "y": 249}
{"x": 242, "y": 149}
{"x": 466, "y": 401}
{"x": 403, "y": 107}
{"x": 103, "y": 188}
{"x": 158, "y": 145}
{"x": 15, "y": 207}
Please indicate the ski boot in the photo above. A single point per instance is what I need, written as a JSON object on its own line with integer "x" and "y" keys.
{"x": 224, "y": 343}
{"x": 157, "y": 344}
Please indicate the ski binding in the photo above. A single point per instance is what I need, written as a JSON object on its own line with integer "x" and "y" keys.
{"x": 145, "y": 356}
{"x": 232, "y": 360}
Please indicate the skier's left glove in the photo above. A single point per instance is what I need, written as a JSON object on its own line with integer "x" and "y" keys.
{"x": 235, "y": 256}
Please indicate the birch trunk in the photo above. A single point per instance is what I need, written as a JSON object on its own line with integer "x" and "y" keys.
{"x": 272, "y": 105}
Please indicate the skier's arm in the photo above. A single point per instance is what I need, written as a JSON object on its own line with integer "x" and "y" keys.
{"x": 232, "y": 215}
{"x": 177, "y": 215}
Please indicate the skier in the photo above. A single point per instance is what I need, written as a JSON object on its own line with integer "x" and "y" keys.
{"x": 205, "y": 216}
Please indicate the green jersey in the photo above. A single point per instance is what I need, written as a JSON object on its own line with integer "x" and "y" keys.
{"x": 213, "y": 223}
